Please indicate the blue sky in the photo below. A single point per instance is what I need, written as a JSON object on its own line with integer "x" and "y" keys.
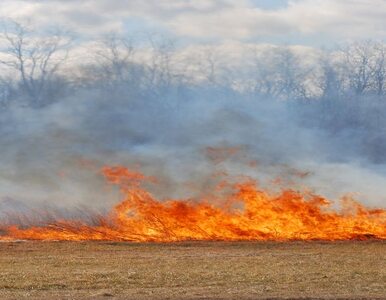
{"x": 270, "y": 4}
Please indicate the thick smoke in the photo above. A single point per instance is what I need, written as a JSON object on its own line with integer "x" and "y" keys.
{"x": 182, "y": 133}
{"x": 52, "y": 156}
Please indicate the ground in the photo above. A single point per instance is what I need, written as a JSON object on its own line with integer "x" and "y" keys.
{"x": 193, "y": 270}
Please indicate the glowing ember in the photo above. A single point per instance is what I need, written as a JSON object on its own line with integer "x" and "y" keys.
{"x": 247, "y": 213}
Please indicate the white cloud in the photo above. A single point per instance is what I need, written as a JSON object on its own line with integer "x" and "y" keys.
{"x": 213, "y": 19}
{"x": 345, "y": 18}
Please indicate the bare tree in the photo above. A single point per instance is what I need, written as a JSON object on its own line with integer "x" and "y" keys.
{"x": 379, "y": 68}
{"x": 160, "y": 67}
{"x": 208, "y": 64}
{"x": 6, "y": 91}
{"x": 117, "y": 58}
{"x": 359, "y": 65}
{"x": 36, "y": 59}
{"x": 280, "y": 74}
{"x": 330, "y": 79}
{"x": 116, "y": 68}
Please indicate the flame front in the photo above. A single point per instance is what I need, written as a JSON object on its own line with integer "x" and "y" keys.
{"x": 248, "y": 213}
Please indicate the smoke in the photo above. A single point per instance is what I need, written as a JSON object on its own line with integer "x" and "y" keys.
{"x": 51, "y": 156}
{"x": 285, "y": 117}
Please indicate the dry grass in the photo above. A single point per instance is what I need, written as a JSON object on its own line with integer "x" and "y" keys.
{"x": 91, "y": 270}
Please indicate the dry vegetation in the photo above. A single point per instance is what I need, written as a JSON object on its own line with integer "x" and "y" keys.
{"x": 91, "y": 270}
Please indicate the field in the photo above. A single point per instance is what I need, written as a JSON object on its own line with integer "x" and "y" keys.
{"x": 193, "y": 270}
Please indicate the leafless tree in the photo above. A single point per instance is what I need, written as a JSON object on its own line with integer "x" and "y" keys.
{"x": 330, "y": 79}
{"x": 6, "y": 91}
{"x": 36, "y": 59}
{"x": 280, "y": 74}
{"x": 379, "y": 68}
{"x": 161, "y": 66}
{"x": 115, "y": 69}
{"x": 359, "y": 65}
{"x": 208, "y": 65}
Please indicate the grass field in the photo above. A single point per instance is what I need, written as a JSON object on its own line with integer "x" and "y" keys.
{"x": 193, "y": 270}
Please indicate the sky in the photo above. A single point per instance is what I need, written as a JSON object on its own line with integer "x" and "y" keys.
{"x": 290, "y": 22}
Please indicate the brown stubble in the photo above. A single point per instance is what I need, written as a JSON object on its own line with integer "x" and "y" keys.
{"x": 191, "y": 270}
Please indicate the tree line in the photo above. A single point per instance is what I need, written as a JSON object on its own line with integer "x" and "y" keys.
{"x": 341, "y": 91}
{"x": 35, "y": 69}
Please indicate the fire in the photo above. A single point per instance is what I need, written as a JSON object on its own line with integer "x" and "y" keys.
{"x": 245, "y": 213}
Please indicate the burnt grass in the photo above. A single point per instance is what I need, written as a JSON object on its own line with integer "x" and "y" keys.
{"x": 193, "y": 270}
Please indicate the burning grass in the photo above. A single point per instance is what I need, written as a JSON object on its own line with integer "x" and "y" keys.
{"x": 191, "y": 270}
{"x": 187, "y": 260}
{"x": 245, "y": 213}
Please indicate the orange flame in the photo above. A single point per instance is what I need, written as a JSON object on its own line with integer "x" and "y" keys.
{"x": 248, "y": 213}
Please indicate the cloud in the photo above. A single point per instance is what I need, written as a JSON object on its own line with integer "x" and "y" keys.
{"x": 338, "y": 19}
{"x": 214, "y": 20}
